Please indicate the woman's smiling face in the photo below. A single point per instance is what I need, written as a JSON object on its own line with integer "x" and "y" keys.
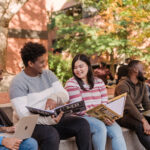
{"x": 80, "y": 69}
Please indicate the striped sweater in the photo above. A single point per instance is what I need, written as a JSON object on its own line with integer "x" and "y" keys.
{"x": 34, "y": 91}
{"x": 92, "y": 97}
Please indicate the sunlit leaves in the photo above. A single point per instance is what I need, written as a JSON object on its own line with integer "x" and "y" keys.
{"x": 61, "y": 67}
{"x": 126, "y": 29}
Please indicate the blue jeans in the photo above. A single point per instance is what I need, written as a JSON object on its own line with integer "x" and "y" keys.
{"x": 100, "y": 131}
{"x": 28, "y": 144}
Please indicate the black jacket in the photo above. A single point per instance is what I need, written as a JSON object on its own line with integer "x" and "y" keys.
{"x": 4, "y": 120}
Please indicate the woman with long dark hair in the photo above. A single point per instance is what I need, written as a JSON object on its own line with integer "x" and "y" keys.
{"x": 83, "y": 86}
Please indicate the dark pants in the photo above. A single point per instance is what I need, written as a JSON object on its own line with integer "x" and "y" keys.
{"x": 129, "y": 122}
{"x": 49, "y": 136}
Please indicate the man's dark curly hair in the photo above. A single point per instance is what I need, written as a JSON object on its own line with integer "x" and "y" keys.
{"x": 31, "y": 51}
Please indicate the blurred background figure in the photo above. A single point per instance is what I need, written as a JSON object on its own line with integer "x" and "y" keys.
{"x": 122, "y": 69}
{"x": 147, "y": 82}
{"x": 103, "y": 73}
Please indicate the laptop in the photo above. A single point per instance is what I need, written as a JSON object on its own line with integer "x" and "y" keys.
{"x": 24, "y": 127}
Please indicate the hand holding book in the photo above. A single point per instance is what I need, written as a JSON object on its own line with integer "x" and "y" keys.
{"x": 108, "y": 121}
{"x": 50, "y": 104}
{"x": 57, "y": 119}
{"x": 112, "y": 111}
{"x": 67, "y": 109}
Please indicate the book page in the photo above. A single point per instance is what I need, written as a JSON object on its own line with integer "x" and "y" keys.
{"x": 146, "y": 113}
{"x": 117, "y": 105}
{"x": 71, "y": 107}
{"x": 113, "y": 110}
{"x": 101, "y": 112}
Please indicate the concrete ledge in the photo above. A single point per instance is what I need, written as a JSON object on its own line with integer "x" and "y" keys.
{"x": 6, "y": 105}
{"x": 131, "y": 139}
{"x": 68, "y": 144}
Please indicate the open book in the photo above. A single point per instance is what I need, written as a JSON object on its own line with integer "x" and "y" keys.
{"x": 113, "y": 110}
{"x": 146, "y": 113}
{"x": 67, "y": 109}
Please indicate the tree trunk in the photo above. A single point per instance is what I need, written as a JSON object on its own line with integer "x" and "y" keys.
{"x": 112, "y": 63}
{"x": 8, "y": 8}
{"x": 3, "y": 46}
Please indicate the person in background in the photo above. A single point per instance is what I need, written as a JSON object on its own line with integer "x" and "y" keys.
{"x": 122, "y": 70}
{"x": 147, "y": 82}
{"x": 11, "y": 142}
{"x": 84, "y": 86}
{"x": 137, "y": 100}
{"x": 103, "y": 73}
{"x": 40, "y": 88}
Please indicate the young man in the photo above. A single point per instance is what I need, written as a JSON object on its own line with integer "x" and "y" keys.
{"x": 137, "y": 99}
{"x": 13, "y": 143}
{"x": 41, "y": 89}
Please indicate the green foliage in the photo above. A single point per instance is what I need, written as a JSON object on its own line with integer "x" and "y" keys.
{"x": 61, "y": 67}
{"x": 98, "y": 4}
{"x": 126, "y": 28}
{"x": 103, "y": 4}
{"x": 80, "y": 38}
